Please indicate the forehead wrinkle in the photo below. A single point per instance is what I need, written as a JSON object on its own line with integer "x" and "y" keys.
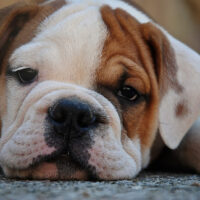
{"x": 138, "y": 72}
{"x": 113, "y": 69}
{"x": 110, "y": 71}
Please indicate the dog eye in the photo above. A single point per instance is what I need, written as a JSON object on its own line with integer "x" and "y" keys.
{"x": 129, "y": 93}
{"x": 26, "y": 75}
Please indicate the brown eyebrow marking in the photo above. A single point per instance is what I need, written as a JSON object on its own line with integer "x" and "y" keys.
{"x": 19, "y": 24}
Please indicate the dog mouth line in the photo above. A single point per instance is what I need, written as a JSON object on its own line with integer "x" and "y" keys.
{"x": 64, "y": 157}
{"x": 63, "y": 153}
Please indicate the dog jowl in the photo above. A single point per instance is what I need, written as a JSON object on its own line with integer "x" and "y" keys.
{"x": 87, "y": 87}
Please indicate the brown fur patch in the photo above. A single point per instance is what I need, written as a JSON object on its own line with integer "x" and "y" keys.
{"x": 181, "y": 109}
{"x": 20, "y": 25}
{"x": 143, "y": 53}
{"x": 11, "y": 26}
{"x": 126, "y": 52}
{"x": 163, "y": 57}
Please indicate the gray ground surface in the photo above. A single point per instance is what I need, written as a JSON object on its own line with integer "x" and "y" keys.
{"x": 153, "y": 186}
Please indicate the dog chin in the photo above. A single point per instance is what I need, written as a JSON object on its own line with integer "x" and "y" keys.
{"x": 62, "y": 168}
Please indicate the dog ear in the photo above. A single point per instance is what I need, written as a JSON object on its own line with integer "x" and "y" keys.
{"x": 12, "y": 19}
{"x": 178, "y": 80}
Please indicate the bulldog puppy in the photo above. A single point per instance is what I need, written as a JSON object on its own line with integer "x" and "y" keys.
{"x": 93, "y": 89}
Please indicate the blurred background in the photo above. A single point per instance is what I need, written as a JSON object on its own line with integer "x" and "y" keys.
{"x": 180, "y": 17}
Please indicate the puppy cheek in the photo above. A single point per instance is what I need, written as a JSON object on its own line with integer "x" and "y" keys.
{"x": 110, "y": 160}
{"x": 26, "y": 144}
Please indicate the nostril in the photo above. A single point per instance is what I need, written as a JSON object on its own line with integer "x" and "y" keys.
{"x": 57, "y": 113}
{"x": 86, "y": 119}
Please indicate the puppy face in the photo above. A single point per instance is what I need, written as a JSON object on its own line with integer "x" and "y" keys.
{"x": 80, "y": 95}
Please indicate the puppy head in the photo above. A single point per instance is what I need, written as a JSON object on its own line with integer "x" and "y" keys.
{"x": 80, "y": 95}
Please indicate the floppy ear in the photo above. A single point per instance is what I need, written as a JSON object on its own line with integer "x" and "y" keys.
{"x": 178, "y": 79}
{"x": 12, "y": 19}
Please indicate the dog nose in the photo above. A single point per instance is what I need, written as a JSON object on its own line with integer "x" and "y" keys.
{"x": 71, "y": 115}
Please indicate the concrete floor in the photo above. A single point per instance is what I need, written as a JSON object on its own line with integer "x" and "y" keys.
{"x": 164, "y": 186}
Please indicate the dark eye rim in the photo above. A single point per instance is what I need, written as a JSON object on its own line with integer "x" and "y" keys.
{"x": 131, "y": 99}
{"x": 141, "y": 97}
{"x": 25, "y": 81}
{"x": 18, "y": 77}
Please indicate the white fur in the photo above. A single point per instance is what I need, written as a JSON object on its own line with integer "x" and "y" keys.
{"x": 113, "y": 160}
{"x": 67, "y": 51}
